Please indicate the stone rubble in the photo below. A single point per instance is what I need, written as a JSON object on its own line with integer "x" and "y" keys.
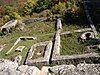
{"x": 18, "y": 59}
{"x": 7, "y": 27}
{"x": 80, "y": 69}
{"x": 12, "y": 68}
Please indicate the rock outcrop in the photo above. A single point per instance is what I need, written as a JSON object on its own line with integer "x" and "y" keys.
{"x": 80, "y": 69}
{"x": 12, "y": 68}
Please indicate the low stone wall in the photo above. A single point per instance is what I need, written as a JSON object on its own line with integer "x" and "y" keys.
{"x": 56, "y": 48}
{"x": 80, "y": 69}
{"x": 48, "y": 51}
{"x": 76, "y": 31}
{"x": 32, "y": 20}
{"x": 9, "y": 25}
{"x": 41, "y": 60}
{"x": 41, "y": 19}
{"x": 56, "y": 43}
{"x": 13, "y": 46}
{"x": 12, "y": 68}
{"x": 18, "y": 40}
{"x": 76, "y": 59}
{"x": 59, "y": 24}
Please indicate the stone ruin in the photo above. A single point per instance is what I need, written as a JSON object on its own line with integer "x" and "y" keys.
{"x": 80, "y": 69}
{"x": 46, "y": 54}
{"x": 12, "y": 68}
{"x": 57, "y": 59}
{"x": 86, "y": 36}
{"x": 53, "y": 50}
{"x": 7, "y": 27}
{"x": 20, "y": 48}
{"x": 39, "y": 57}
{"x": 18, "y": 40}
{"x": 50, "y": 54}
{"x": 17, "y": 59}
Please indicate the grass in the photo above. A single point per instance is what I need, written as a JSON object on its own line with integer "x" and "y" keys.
{"x": 27, "y": 44}
{"x": 42, "y": 30}
{"x": 70, "y": 45}
{"x": 38, "y": 28}
{"x": 70, "y": 27}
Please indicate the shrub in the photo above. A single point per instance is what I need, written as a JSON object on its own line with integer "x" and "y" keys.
{"x": 57, "y": 1}
{"x": 28, "y": 7}
{"x": 8, "y": 9}
{"x": 59, "y": 8}
{"x": 6, "y": 18}
{"x": 10, "y": 14}
{"x": 42, "y": 5}
{"x": 14, "y": 15}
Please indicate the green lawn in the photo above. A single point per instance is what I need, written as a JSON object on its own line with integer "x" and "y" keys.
{"x": 70, "y": 45}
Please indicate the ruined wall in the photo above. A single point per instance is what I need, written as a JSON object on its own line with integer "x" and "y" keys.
{"x": 11, "y": 68}
{"x": 76, "y": 59}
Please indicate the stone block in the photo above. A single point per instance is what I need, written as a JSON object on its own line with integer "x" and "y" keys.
{"x": 20, "y": 48}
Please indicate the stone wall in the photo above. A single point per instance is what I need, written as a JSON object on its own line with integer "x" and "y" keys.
{"x": 11, "y": 68}
{"x": 7, "y": 27}
{"x": 32, "y": 20}
{"x": 76, "y": 31}
{"x": 80, "y": 69}
{"x": 76, "y": 59}
{"x": 56, "y": 48}
{"x": 43, "y": 60}
{"x": 18, "y": 40}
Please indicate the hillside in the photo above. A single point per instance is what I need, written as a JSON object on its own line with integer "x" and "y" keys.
{"x": 50, "y": 33}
